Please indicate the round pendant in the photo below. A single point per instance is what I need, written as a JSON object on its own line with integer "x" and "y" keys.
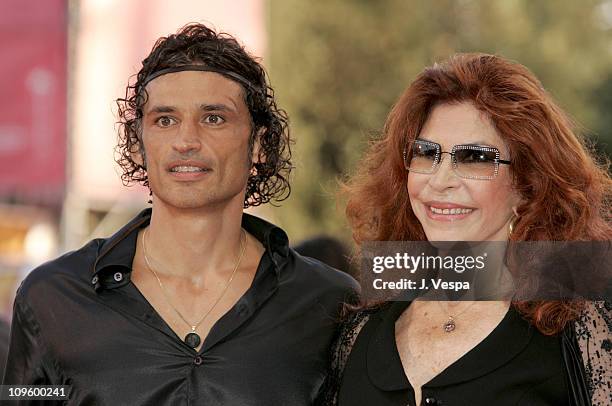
{"x": 449, "y": 326}
{"x": 192, "y": 340}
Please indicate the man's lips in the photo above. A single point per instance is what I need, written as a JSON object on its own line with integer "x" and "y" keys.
{"x": 188, "y": 170}
{"x": 187, "y": 166}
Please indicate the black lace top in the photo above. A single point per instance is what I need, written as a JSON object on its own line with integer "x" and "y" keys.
{"x": 593, "y": 332}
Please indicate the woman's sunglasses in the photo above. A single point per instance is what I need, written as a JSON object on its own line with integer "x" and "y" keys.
{"x": 468, "y": 161}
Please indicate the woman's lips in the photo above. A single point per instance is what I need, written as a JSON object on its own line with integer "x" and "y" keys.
{"x": 447, "y": 211}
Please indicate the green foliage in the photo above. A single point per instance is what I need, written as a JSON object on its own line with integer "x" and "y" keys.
{"x": 339, "y": 65}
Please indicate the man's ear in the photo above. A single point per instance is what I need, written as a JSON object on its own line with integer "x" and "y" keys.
{"x": 137, "y": 153}
{"x": 255, "y": 154}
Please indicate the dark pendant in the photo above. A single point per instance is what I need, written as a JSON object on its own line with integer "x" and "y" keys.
{"x": 449, "y": 326}
{"x": 192, "y": 340}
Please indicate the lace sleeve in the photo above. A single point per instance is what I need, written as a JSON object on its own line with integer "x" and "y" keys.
{"x": 340, "y": 351}
{"x": 594, "y": 335}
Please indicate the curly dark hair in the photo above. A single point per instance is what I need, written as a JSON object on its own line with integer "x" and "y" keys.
{"x": 196, "y": 44}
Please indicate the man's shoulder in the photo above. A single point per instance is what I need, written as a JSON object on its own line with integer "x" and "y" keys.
{"x": 323, "y": 275}
{"x": 72, "y": 267}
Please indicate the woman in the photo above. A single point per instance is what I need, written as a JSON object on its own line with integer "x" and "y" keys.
{"x": 534, "y": 181}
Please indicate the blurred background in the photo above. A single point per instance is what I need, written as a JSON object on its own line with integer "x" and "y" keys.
{"x": 337, "y": 67}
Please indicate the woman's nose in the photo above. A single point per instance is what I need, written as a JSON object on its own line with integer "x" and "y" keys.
{"x": 444, "y": 175}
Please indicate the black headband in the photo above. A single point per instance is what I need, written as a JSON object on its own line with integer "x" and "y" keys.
{"x": 203, "y": 68}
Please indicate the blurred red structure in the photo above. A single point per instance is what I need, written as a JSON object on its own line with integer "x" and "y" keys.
{"x": 33, "y": 82}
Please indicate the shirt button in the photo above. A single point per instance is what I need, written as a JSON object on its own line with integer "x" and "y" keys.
{"x": 430, "y": 401}
{"x": 198, "y": 360}
{"x": 94, "y": 280}
{"x": 118, "y": 276}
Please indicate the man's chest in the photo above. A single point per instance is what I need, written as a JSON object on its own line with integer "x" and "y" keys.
{"x": 109, "y": 344}
{"x": 191, "y": 312}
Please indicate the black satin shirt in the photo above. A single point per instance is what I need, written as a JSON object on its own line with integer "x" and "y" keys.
{"x": 79, "y": 321}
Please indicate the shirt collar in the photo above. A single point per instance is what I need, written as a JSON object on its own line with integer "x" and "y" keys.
{"x": 113, "y": 264}
{"x": 385, "y": 367}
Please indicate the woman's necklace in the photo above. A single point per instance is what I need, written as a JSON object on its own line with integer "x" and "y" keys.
{"x": 450, "y": 325}
{"x": 192, "y": 339}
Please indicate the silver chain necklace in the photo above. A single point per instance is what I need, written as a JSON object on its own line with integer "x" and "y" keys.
{"x": 192, "y": 339}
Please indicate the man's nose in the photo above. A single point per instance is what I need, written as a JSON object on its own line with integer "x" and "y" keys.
{"x": 187, "y": 138}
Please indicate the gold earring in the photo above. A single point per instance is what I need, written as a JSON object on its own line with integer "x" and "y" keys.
{"x": 512, "y": 223}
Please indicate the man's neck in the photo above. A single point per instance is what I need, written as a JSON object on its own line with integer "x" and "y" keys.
{"x": 191, "y": 243}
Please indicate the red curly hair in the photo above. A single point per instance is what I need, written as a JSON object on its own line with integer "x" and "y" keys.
{"x": 566, "y": 192}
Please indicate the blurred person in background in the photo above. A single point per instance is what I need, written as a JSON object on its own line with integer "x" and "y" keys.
{"x": 4, "y": 343}
{"x": 193, "y": 301}
{"x": 476, "y": 150}
{"x": 328, "y": 250}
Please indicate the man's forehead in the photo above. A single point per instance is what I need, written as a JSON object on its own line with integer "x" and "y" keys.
{"x": 194, "y": 87}
{"x": 203, "y": 81}
{"x": 201, "y": 68}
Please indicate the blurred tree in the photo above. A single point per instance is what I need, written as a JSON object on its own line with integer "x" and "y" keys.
{"x": 339, "y": 65}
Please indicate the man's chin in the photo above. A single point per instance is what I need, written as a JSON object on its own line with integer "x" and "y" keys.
{"x": 193, "y": 202}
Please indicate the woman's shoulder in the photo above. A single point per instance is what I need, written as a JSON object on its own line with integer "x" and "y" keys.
{"x": 371, "y": 316}
{"x": 355, "y": 321}
{"x": 351, "y": 326}
{"x": 349, "y": 331}
{"x": 594, "y": 335}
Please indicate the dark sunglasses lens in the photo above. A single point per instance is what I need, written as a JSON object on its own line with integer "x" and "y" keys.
{"x": 475, "y": 162}
{"x": 423, "y": 157}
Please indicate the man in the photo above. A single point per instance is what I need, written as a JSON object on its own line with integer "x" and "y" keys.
{"x": 193, "y": 301}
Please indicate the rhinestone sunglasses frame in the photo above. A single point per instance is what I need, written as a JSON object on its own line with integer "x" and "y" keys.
{"x": 437, "y": 159}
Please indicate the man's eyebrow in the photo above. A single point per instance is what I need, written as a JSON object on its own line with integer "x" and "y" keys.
{"x": 217, "y": 107}
{"x": 161, "y": 109}
{"x": 205, "y": 107}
